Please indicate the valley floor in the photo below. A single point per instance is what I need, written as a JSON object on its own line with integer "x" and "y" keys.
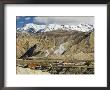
{"x": 54, "y": 67}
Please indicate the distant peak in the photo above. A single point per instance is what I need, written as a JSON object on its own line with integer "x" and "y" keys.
{"x": 50, "y": 27}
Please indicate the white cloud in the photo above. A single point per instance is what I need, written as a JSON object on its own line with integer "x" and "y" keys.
{"x": 64, "y": 20}
{"x": 27, "y": 18}
{"x": 44, "y": 20}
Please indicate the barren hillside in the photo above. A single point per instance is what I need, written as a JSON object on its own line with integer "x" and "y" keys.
{"x": 58, "y": 44}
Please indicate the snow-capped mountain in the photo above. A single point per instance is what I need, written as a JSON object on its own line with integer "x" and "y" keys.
{"x": 31, "y": 27}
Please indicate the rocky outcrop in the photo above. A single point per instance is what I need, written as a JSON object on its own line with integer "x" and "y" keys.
{"x": 28, "y": 53}
{"x": 62, "y": 48}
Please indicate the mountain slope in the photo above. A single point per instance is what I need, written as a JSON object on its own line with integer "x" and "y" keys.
{"x": 58, "y": 44}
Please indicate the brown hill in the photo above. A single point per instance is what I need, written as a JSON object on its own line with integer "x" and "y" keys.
{"x": 77, "y": 45}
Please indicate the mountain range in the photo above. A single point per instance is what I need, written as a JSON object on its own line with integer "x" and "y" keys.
{"x": 35, "y": 28}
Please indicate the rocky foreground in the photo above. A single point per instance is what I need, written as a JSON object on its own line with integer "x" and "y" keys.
{"x": 21, "y": 70}
{"x": 54, "y": 67}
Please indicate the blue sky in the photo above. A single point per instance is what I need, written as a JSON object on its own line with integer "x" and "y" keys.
{"x": 22, "y": 20}
{"x": 71, "y": 20}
